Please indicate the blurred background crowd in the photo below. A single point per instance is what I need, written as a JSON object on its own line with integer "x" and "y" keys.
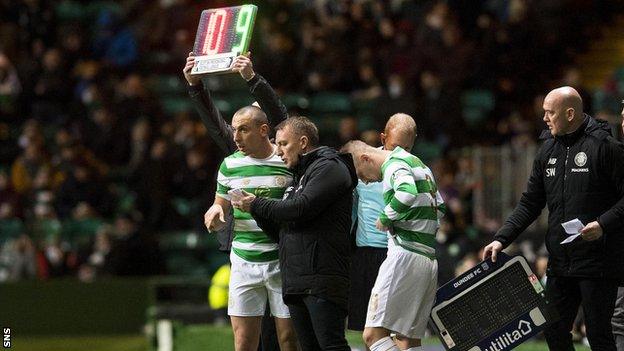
{"x": 105, "y": 168}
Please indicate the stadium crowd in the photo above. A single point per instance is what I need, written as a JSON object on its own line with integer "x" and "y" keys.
{"x": 95, "y": 163}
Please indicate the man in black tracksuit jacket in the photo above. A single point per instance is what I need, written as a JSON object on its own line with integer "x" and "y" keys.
{"x": 314, "y": 222}
{"x": 579, "y": 173}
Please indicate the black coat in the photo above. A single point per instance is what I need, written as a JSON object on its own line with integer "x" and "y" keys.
{"x": 579, "y": 175}
{"x": 314, "y": 222}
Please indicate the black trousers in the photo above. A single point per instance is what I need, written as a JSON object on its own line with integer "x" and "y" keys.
{"x": 365, "y": 263}
{"x": 268, "y": 335}
{"x": 597, "y": 296}
{"x": 319, "y": 323}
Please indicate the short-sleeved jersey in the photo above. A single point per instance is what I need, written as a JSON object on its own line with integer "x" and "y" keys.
{"x": 414, "y": 205}
{"x": 264, "y": 178}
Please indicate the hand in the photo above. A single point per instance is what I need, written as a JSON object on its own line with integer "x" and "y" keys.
{"x": 192, "y": 79}
{"x": 244, "y": 203}
{"x": 492, "y": 250}
{"x": 243, "y": 65}
{"x": 380, "y": 226}
{"x": 591, "y": 231}
{"x": 214, "y": 219}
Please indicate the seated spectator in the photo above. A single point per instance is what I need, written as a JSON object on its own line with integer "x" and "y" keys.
{"x": 132, "y": 252}
{"x": 8, "y": 196}
{"x": 18, "y": 260}
{"x": 10, "y": 87}
{"x": 83, "y": 185}
{"x": 26, "y": 166}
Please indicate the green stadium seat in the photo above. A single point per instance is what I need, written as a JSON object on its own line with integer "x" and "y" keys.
{"x": 94, "y": 8}
{"x": 603, "y": 101}
{"x": 227, "y": 83}
{"x": 10, "y": 229}
{"x": 126, "y": 202}
{"x": 69, "y": 10}
{"x": 426, "y": 151}
{"x": 477, "y": 104}
{"x": 187, "y": 240}
{"x": 330, "y": 102}
{"x": 295, "y": 101}
{"x": 363, "y": 110}
{"x": 167, "y": 85}
{"x": 80, "y": 233}
{"x": 46, "y": 230}
{"x": 178, "y": 104}
{"x": 230, "y": 102}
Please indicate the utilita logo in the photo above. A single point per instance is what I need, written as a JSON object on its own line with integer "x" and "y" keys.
{"x": 510, "y": 338}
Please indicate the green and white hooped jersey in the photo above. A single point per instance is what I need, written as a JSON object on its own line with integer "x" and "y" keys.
{"x": 267, "y": 178}
{"x": 414, "y": 205}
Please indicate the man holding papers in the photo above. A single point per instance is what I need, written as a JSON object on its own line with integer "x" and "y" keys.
{"x": 578, "y": 172}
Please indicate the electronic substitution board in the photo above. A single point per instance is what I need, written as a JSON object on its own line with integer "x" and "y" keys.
{"x": 494, "y": 306}
{"x": 222, "y": 34}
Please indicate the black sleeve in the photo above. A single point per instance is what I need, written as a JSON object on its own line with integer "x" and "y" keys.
{"x": 269, "y": 227}
{"x": 268, "y": 100}
{"x": 326, "y": 183}
{"x": 528, "y": 209}
{"x": 218, "y": 129}
{"x": 613, "y": 164}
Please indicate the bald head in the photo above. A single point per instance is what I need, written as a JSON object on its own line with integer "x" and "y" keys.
{"x": 367, "y": 160}
{"x": 254, "y": 113}
{"x": 567, "y": 97}
{"x": 563, "y": 110}
{"x": 400, "y": 131}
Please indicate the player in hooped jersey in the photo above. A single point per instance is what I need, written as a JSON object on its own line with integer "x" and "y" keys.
{"x": 408, "y": 276}
{"x": 257, "y": 169}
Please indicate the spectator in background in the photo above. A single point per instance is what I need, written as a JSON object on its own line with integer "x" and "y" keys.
{"x": 96, "y": 261}
{"x": 52, "y": 89}
{"x": 8, "y": 196}
{"x": 139, "y": 144}
{"x": 193, "y": 183}
{"x": 26, "y": 166}
{"x": 107, "y": 136}
{"x": 115, "y": 42}
{"x": 152, "y": 181}
{"x": 83, "y": 185}
{"x": 133, "y": 252}
{"x": 134, "y": 101}
{"x": 10, "y": 86}
{"x": 18, "y": 259}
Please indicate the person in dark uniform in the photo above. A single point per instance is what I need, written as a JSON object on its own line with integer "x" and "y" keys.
{"x": 578, "y": 173}
{"x": 313, "y": 221}
{"x": 618, "y": 317}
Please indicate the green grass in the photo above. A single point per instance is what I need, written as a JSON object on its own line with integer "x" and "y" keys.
{"x": 192, "y": 338}
{"x": 79, "y": 343}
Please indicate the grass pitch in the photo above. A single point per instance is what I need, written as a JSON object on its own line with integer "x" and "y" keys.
{"x": 192, "y": 338}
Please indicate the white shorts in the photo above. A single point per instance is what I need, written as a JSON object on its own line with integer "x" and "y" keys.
{"x": 404, "y": 293}
{"x": 251, "y": 284}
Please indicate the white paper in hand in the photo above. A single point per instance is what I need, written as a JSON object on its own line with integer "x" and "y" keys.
{"x": 235, "y": 194}
{"x": 573, "y": 229}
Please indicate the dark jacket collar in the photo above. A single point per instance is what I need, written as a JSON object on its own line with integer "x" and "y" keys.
{"x": 306, "y": 159}
{"x": 590, "y": 126}
{"x": 327, "y": 153}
